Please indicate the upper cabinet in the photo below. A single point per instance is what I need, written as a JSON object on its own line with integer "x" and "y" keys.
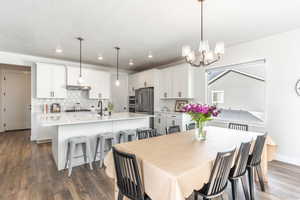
{"x": 143, "y": 79}
{"x": 99, "y": 81}
{"x": 177, "y": 82}
{"x": 50, "y": 81}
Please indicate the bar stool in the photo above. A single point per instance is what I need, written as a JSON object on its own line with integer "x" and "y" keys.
{"x": 127, "y": 135}
{"x": 102, "y": 140}
{"x": 71, "y": 149}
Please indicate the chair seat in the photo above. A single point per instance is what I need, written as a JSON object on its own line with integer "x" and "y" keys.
{"x": 78, "y": 140}
{"x": 107, "y": 135}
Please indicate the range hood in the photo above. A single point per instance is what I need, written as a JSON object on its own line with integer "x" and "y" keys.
{"x": 78, "y": 87}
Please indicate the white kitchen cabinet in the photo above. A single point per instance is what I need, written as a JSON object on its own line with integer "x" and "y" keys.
{"x": 100, "y": 84}
{"x": 141, "y": 80}
{"x": 177, "y": 82}
{"x": 50, "y": 81}
{"x": 163, "y": 120}
{"x": 98, "y": 80}
{"x": 165, "y": 83}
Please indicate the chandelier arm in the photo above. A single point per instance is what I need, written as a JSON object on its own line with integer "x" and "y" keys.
{"x": 193, "y": 64}
{"x": 212, "y": 62}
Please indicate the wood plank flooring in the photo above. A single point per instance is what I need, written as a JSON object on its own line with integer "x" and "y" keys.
{"x": 28, "y": 172}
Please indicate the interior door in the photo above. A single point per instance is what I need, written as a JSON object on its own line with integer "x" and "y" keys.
{"x": 15, "y": 100}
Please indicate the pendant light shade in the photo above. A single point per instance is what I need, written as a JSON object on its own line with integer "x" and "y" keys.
{"x": 80, "y": 80}
{"x": 117, "y": 81}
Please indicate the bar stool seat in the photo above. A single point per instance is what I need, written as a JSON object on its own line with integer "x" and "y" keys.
{"x": 103, "y": 140}
{"x": 71, "y": 149}
{"x": 127, "y": 135}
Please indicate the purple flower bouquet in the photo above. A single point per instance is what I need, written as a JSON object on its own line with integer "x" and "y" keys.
{"x": 201, "y": 114}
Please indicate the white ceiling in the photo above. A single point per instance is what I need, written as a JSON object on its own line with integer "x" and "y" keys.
{"x": 37, "y": 27}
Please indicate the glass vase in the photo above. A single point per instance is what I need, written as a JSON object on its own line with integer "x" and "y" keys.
{"x": 200, "y": 133}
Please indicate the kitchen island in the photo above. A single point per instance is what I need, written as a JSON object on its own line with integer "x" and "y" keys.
{"x": 89, "y": 124}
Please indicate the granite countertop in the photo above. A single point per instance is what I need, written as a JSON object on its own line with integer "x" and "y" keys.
{"x": 85, "y": 117}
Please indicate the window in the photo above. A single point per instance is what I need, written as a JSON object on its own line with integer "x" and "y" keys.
{"x": 217, "y": 97}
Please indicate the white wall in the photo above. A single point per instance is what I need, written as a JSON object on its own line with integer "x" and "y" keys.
{"x": 240, "y": 92}
{"x": 282, "y": 71}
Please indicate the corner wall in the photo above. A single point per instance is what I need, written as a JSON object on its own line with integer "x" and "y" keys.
{"x": 281, "y": 52}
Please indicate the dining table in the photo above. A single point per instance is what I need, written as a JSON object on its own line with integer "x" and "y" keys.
{"x": 173, "y": 166}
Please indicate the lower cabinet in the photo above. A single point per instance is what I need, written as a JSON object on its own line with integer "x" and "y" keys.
{"x": 163, "y": 120}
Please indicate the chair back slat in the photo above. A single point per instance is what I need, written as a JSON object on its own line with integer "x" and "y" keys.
{"x": 142, "y": 134}
{"x": 220, "y": 172}
{"x": 236, "y": 126}
{"x": 173, "y": 129}
{"x": 258, "y": 149}
{"x": 128, "y": 176}
{"x": 190, "y": 126}
{"x": 241, "y": 160}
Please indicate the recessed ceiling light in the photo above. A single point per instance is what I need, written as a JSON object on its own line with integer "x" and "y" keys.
{"x": 150, "y": 55}
{"x": 131, "y": 62}
{"x": 58, "y": 50}
{"x": 100, "y": 57}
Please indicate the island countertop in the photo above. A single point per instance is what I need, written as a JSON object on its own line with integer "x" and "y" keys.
{"x": 86, "y": 117}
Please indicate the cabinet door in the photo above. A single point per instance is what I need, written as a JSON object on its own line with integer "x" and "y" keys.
{"x": 100, "y": 84}
{"x": 166, "y": 81}
{"x": 72, "y": 75}
{"x": 44, "y": 81}
{"x": 59, "y": 81}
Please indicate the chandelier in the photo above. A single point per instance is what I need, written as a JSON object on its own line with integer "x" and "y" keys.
{"x": 204, "y": 56}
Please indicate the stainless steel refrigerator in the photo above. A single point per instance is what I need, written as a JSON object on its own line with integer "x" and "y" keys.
{"x": 144, "y": 102}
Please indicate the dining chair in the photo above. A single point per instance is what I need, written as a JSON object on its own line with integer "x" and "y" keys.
{"x": 173, "y": 129}
{"x": 128, "y": 176}
{"x": 218, "y": 178}
{"x": 142, "y": 133}
{"x": 254, "y": 163}
{"x": 236, "y": 126}
{"x": 153, "y": 133}
{"x": 190, "y": 126}
{"x": 238, "y": 171}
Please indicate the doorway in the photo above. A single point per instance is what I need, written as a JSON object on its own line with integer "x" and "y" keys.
{"x": 15, "y": 98}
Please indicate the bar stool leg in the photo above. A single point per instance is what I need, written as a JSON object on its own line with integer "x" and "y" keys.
{"x": 67, "y": 155}
{"x": 97, "y": 147}
{"x": 72, "y": 151}
{"x": 102, "y": 151}
{"x": 88, "y": 151}
{"x": 83, "y": 145}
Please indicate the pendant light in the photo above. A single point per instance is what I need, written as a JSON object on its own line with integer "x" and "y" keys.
{"x": 80, "y": 80}
{"x": 117, "y": 81}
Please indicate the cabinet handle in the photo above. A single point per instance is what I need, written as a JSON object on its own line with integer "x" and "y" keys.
{"x": 165, "y": 95}
{"x": 145, "y": 84}
{"x": 179, "y": 94}
{"x": 53, "y": 93}
{"x": 99, "y": 95}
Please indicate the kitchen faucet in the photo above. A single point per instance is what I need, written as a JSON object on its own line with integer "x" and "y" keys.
{"x": 100, "y": 104}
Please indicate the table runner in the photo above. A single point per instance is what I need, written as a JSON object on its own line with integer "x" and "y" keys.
{"x": 172, "y": 166}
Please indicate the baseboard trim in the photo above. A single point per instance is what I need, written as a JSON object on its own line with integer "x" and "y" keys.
{"x": 287, "y": 159}
{"x": 43, "y": 141}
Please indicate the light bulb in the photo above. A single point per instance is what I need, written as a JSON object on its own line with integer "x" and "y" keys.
{"x": 191, "y": 56}
{"x": 117, "y": 82}
{"x": 58, "y": 50}
{"x": 220, "y": 48}
{"x": 80, "y": 81}
{"x": 186, "y": 50}
{"x": 100, "y": 57}
{"x": 131, "y": 62}
{"x": 209, "y": 55}
{"x": 204, "y": 46}
{"x": 150, "y": 55}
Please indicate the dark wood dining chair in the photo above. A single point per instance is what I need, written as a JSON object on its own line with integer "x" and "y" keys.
{"x": 173, "y": 129}
{"x": 236, "y": 126}
{"x": 218, "y": 178}
{"x": 142, "y": 133}
{"x": 190, "y": 126}
{"x": 153, "y": 133}
{"x": 128, "y": 176}
{"x": 254, "y": 164}
{"x": 238, "y": 171}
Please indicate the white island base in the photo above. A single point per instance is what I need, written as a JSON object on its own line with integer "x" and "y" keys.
{"x": 90, "y": 129}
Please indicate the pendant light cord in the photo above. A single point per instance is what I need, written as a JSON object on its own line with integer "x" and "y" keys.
{"x": 80, "y": 55}
{"x": 201, "y": 20}
{"x": 117, "y": 48}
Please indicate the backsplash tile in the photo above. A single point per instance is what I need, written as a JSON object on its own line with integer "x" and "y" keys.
{"x": 73, "y": 97}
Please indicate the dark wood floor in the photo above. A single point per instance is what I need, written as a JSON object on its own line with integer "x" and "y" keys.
{"x": 27, "y": 171}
